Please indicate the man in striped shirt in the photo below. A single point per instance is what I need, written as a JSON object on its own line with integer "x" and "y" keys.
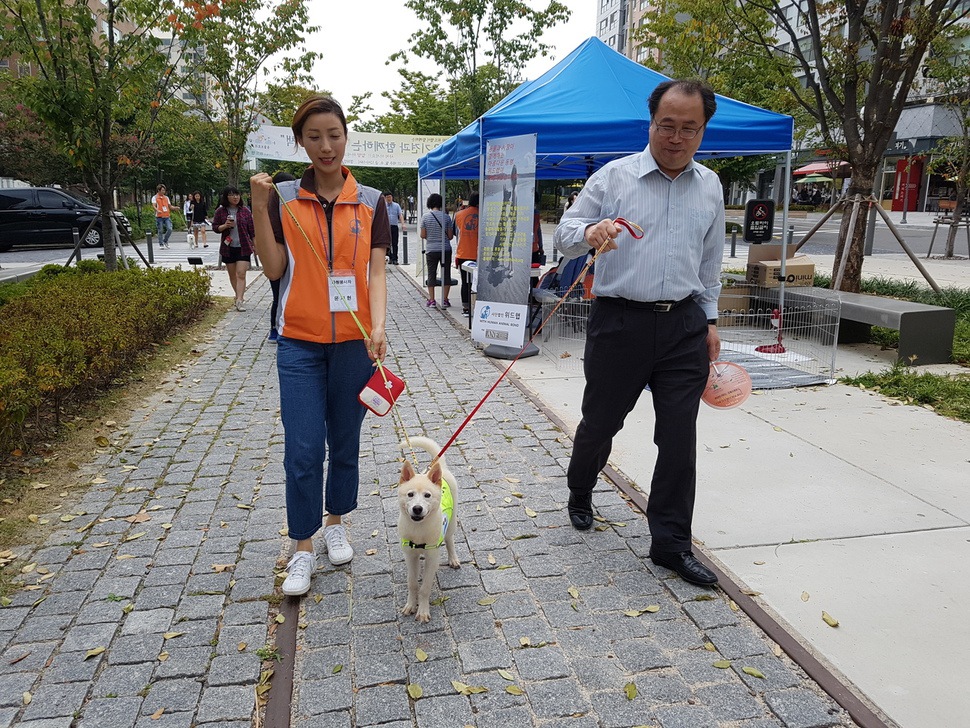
{"x": 654, "y": 318}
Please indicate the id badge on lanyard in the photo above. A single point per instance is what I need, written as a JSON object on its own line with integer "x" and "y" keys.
{"x": 343, "y": 290}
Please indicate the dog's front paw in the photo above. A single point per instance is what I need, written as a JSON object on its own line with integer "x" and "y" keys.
{"x": 424, "y": 614}
{"x": 409, "y": 608}
{"x": 454, "y": 563}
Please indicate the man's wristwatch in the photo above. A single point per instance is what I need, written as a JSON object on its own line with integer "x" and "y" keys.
{"x": 712, "y": 322}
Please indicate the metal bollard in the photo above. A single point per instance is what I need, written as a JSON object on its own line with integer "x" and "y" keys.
{"x": 151, "y": 251}
{"x": 791, "y": 234}
{"x": 404, "y": 247}
{"x": 734, "y": 242}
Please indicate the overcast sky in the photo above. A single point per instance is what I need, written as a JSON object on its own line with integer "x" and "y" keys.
{"x": 356, "y": 40}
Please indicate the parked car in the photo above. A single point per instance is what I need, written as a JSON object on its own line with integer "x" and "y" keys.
{"x": 46, "y": 216}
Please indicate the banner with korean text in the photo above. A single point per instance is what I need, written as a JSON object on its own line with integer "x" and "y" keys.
{"x": 505, "y": 241}
{"x": 363, "y": 149}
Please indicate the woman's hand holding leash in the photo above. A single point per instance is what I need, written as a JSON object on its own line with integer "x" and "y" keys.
{"x": 377, "y": 344}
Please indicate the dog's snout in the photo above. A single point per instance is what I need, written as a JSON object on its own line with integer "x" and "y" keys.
{"x": 417, "y": 509}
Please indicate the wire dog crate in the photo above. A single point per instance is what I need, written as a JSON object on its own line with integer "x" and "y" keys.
{"x": 793, "y": 348}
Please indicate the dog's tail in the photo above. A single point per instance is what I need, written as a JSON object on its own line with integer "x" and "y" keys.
{"x": 423, "y": 443}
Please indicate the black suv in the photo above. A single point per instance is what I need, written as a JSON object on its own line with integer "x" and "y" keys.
{"x": 46, "y": 216}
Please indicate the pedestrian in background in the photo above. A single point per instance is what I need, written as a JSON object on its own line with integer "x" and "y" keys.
{"x": 332, "y": 236}
{"x": 437, "y": 230}
{"x": 235, "y": 222}
{"x": 200, "y": 216}
{"x": 466, "y": 223}
{"x": 395, "y": 216}
{"x": 654, "y": 319}
{"x": 187, "y": 216}
{"x": 163, "y": 216}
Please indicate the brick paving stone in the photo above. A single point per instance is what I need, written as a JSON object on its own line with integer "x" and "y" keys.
{"x": 239, "y": 669}
{"x": 133, "y": 649}
{"x": 557, "y": 698}
{"x": 370, "y": 670}
{"x": 485, "y": 655}
{"x": 776, "y": 674}
{"x": 449, "y": 710}
{"x": 61, "y": 722}
{"x": 11, "y": 618}
{"x": 183, "y": 662}
{"x": 13, "y": 687}
{"x": 173, "y": 695}
{"x": 685, "y": 716}
{"x": 435, "y": 676}
{"x": 114, "y": 712}
{"x": 799, "y": 708}
{"x": 122, "y": 680}
{"x": 735, "y": 642}
{"x": 166, "y": 720}
{"x": 26, "y": 657}
{"x": 708, "y": 615}
{"x": 382, "y": 704}
{"x": 223, "y": 704}
{"x": 542, "y": 664}
{"x": 55, "y": 701}
{"x": 324, "y": 696}
{"x": 730, "y": 702}
{"x": 150, "y": 621}
{"x": 6, "y": 717}
{"x": 71, "y": 667}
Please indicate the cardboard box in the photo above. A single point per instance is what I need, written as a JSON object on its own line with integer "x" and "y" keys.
{"x": 732, "y": 305}
{"x": 764, "y": 266}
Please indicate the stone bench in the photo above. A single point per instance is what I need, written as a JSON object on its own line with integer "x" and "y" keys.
{"x": 925, "y": 332}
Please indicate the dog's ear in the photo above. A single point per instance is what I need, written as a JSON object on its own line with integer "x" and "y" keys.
{"x": 434, "y": 474}
{"x": 407, "y": 472}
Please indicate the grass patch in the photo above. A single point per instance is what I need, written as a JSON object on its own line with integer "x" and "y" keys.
{"x": 948, "y": 395}
{"x": 59, "y": 451}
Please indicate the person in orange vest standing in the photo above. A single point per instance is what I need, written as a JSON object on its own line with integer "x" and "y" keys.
{"x": 325, "y": 238}
{"x": 163, "y": 216}
{"x": 466, "y": 222}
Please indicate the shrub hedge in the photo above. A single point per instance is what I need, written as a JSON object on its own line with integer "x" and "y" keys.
{"x": 68, "y": 332}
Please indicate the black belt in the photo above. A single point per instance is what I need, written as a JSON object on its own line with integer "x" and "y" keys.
{"x": 657, "y": 306}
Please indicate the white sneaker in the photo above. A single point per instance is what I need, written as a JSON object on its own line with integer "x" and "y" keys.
{"x": 298, "y": 572}
{"x": 338, "y": 548}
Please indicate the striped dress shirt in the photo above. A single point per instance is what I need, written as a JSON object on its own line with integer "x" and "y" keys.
{"x": 683, "y": 222}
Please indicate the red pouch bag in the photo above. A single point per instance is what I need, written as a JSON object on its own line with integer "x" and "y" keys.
{"x": 379, "y": 396}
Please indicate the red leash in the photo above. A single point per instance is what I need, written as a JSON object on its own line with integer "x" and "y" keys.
{"x": 636, "y": 232}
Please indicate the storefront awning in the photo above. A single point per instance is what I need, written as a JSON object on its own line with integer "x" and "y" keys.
{"x": 821, "y": 168}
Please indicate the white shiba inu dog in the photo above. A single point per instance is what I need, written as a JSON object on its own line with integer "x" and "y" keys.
{"x": 426, "y": 520}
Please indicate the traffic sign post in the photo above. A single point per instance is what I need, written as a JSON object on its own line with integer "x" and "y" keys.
{"x": 759, "y": 221}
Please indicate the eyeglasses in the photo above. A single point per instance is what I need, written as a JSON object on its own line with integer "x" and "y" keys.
{"x": 669, "y": 131}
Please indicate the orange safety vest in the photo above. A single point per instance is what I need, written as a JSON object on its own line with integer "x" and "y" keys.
{"x": 304, "y": 308}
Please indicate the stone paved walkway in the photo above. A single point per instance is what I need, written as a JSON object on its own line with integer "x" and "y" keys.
{"x": 175, "y": 575}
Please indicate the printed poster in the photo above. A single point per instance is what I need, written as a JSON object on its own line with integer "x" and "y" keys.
{"x": 505, "y": 241}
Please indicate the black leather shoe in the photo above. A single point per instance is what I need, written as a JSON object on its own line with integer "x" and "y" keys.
{"x": 686, "y": 565}
{"x": 581, "y": 510}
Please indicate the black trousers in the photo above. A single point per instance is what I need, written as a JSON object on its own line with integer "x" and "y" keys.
{"x": 628, "y": 348}
{"x": 394, "y": 235}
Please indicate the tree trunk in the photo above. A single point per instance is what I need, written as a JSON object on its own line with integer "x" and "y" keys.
{"x": 951, "y": 238}
{"x": 861, "y": 185}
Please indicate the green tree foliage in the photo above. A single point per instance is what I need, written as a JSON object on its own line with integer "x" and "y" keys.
{"x": 857, "y": 63}
{"x": 185, "y": 154}
{"x": 465, "y": 37}
{"x": 949, "y": 68}
{"x": 233, "y": 50}
{"x": 25, "y": 149}
{"x": 96, "y": 67}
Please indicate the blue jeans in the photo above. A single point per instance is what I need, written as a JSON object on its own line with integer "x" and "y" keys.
{"x": 163, "y": 225}
{"x": 319, "y": 384}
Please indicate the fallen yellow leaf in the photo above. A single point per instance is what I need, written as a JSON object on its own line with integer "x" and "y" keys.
{"x": 631, "y": 690}
{"x": 93, "y": 652}
{"x": 830, "y": 620}
{"x": 415, "y": 691}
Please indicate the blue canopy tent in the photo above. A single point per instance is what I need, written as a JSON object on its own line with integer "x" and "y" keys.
{"x": 591, "y": 108}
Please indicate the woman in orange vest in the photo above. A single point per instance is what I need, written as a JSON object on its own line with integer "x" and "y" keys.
{"x": 324, "y": 237}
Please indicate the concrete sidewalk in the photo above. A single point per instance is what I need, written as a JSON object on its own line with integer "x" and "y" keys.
{"x": 152, "y": 593}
